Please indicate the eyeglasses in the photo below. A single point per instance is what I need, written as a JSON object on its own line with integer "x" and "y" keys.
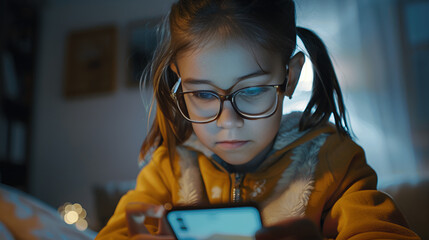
{"x": 204, "y": 106}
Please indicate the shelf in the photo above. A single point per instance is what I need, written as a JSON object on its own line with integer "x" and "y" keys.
{"x": 18, "y": 36}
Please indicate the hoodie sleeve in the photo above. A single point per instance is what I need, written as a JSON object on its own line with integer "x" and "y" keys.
{"x": 152, "y": 187}
{"x": 355, "y": 209}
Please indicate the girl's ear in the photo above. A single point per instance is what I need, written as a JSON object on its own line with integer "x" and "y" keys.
{"x": 295, "y": 67}
{"x": 173, "y": 68}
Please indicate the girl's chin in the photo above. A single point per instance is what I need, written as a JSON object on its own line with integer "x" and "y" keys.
{"x": 236, "y": 161}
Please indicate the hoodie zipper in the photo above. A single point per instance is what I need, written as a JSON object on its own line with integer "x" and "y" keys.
{"x": 236, "y": 191}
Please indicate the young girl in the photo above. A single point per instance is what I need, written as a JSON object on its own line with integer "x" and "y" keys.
{"x": 220, "y": 75}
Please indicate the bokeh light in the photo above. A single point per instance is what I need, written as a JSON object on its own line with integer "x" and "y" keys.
{"x": 71, "y": 217}
{"x": 74, "y": 214}
{"x": 81, "y": 224}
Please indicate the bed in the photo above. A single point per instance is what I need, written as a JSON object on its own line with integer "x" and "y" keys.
{"x": 25, "y": 217}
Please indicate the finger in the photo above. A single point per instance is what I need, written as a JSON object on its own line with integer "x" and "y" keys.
{"x": 155, "y": 211}
{"x": 136, "y": 214}
{"x": 164, "y": 228}
{"x": 135, "y": 223}
{"x": 149, "y": 210}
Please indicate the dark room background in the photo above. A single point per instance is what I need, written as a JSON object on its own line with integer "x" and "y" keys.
{"x": 73, "y": 118}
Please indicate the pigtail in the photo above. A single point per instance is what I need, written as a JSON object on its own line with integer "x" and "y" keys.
{"x": 326, "y": 98}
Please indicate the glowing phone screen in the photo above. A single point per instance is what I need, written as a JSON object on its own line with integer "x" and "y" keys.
{"x": 228, "y": 223}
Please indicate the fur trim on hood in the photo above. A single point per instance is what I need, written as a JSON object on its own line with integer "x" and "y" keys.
{"x": 292, "y": 192}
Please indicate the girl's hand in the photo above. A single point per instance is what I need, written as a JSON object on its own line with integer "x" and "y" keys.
{"x": 290, "y": 229}
{"x": 136, "y": 214}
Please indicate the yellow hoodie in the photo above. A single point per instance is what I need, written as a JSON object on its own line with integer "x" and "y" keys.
{"x": 317, "y": 174}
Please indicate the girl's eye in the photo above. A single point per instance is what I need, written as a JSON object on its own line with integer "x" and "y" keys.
{"x": 204, "y": 95}
{"x": 253, "y": 91}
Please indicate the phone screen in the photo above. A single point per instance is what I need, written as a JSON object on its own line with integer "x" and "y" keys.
{"x": 228, "y": 223}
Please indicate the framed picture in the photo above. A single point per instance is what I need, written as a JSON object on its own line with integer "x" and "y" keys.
{"x": 90, "y": 62}
{"x": 142, "y": 41}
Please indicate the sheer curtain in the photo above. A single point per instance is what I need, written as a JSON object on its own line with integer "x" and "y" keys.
{"x": 364, "y": 40}
{"x": 383, "y": 65}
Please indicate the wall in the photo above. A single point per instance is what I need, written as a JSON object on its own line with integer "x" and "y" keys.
{"x": 82, "y": 142}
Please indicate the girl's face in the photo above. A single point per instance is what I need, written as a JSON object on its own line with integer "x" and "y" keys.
{"x": 224, "y": 68}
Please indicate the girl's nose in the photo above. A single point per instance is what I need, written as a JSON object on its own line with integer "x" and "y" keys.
{"x": 228, "y": 117}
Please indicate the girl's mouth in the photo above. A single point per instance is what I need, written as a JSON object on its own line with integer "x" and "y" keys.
{"x": 231, "y": 145}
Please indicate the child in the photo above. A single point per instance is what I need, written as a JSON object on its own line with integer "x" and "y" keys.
{"x": 219, "y": 76}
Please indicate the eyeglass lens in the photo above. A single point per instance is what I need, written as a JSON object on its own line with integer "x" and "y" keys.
{"x": 205, "y": 105}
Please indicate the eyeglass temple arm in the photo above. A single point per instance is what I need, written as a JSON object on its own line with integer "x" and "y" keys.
{"x": 176, "y": 86}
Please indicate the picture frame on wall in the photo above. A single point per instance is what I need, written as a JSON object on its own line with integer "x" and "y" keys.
{"x": 142, "y": 42}
{"x": 90, "y": 62}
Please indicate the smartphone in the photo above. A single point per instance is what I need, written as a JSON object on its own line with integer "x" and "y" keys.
{"x": 215, "y": 222}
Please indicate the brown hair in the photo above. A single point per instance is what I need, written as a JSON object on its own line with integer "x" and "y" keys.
{"x": 269, "y": 24}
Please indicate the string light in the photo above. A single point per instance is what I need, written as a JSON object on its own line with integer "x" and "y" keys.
{"x": 74, "y": 214}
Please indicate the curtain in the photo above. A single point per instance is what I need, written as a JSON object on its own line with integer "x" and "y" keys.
{"x": 364, "y": 38}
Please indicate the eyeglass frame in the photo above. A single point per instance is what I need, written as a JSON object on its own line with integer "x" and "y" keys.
{"x": 230, "y": 97}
